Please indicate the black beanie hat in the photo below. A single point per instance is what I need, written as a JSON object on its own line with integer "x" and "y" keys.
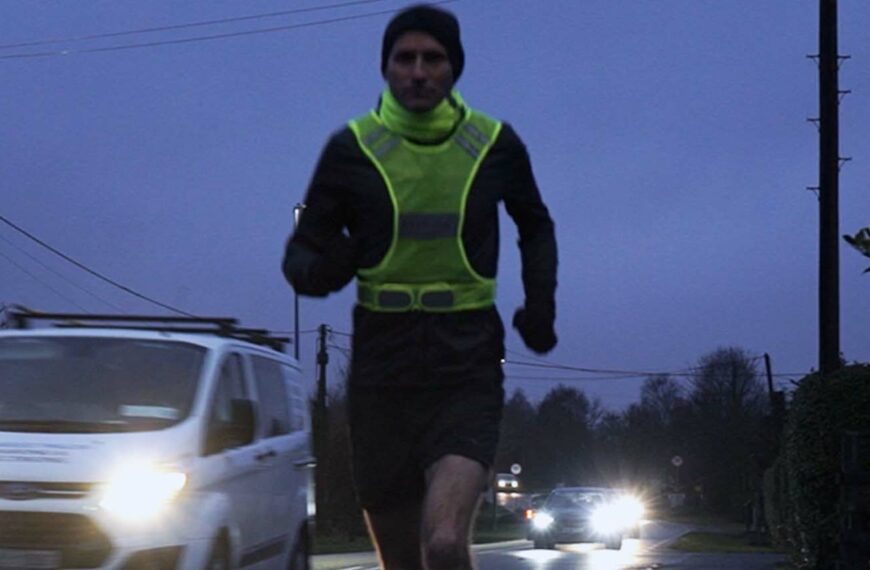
{"x": 438, "y": 23}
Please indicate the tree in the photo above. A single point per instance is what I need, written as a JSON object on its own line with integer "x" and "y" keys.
{"x": 660, "y": 396}
{"x": 517, "y": 422}
{"x": 562, "y": 435}
{"x": 337, "y": 509}
{"x": 727, "y": 401}
{"x": 861, "y": 242}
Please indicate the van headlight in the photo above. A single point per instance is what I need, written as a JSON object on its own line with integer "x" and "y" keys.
{"x": 139, "y": 491}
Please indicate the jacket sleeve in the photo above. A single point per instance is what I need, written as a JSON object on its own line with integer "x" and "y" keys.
{"x": 537, "y": 237}
{"x": 310, "y": 264}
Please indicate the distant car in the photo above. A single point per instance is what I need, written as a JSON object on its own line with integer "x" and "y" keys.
{"x": 184, "y": 446}
{"x": 584, "y": 514}
{"x": 506, "y": 483}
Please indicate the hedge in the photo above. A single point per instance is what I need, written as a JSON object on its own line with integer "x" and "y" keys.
{"x": 822, "y": 409}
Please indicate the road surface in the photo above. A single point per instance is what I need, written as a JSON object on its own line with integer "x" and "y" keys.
{"x": 649, "y": 552}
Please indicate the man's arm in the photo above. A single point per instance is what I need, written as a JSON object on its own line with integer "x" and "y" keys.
{"x": 537, "y": 243}
{"x": 319, "y": 258}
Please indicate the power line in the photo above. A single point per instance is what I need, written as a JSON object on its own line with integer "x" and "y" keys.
{"x": 61, "y": 275}
{"x": 570, "y": 378}
{"x": 591, "y": 370}
{"x": 204, "y": 38}
{"x": 339, "y": 333}
{"x": 611, "y": 374}
{"x": 687, "y": 373}
{"x": 343, "y": 350}
{"x": 91, "y": 271}
{"x": 293, "y": 332}
{"x": 38, "y": 280}
{"x": 90, "y": 37}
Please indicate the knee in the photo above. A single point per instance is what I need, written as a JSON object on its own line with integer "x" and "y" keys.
{"x": 446, "y": 551}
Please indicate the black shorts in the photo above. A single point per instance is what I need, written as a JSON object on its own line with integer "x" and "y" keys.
{"x": 396, "y": 433}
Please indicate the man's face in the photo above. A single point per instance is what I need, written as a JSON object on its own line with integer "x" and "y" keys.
{"x": 418, "y": 72}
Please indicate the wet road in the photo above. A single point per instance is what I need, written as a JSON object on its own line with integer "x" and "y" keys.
{"x": 649, "y": 552}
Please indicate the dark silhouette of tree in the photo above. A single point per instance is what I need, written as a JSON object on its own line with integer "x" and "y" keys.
{"x": 518, "y": 419}
{"x": 562, "y": 435}
{"x": 727, "y": 401}
{"x": 337, "y": 509}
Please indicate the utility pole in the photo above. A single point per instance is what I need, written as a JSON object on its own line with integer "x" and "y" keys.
{"x": 769, "y": 378}
{"x": 777, "y": 397}
{"x": 322, "y": 361}
{"x": 829, "y": 167}
{"x": 321, "y": 427}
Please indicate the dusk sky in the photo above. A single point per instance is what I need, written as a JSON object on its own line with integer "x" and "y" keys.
{"x": 669, "y": 139}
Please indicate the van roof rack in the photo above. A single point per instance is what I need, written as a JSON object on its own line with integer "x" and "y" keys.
{"x": 22, "y": 317}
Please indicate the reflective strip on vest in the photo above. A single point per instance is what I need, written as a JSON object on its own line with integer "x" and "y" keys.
{"x": 439, "y": 297}
{"x": 466, "y": 145}
{"x": 428, "y": 226}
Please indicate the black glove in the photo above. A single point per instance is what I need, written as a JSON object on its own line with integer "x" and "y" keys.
{"x": 338, "y": 263}
{"x": 535, "y": 325}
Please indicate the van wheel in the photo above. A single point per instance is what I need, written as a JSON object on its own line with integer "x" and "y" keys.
{"x": 219, "y": 559}
{"x": 299, "y": 556}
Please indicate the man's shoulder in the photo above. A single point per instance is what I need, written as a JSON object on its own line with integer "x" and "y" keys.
{"x": 508, "y": 140}
{"x": 341, "y": 135}
{"x": 341, "y": 141}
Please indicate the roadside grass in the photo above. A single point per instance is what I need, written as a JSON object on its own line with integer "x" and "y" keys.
{"x": 722, "y": 542}
{"x": 715, "y": 533}
{"x": 503, "y": 531}
{"x": 701, "y": 519}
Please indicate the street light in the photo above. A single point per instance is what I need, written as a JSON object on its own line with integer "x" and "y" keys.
{"x": 297, "y": 213}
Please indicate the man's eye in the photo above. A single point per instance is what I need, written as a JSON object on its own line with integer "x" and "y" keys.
{"x": 434, "y": 57}
{"x": 404, "y": 57}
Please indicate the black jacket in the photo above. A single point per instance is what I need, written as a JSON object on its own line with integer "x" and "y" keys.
{"x": 417, "y": 348}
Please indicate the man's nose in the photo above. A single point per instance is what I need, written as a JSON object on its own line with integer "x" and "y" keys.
{"x": 418, "y": 69}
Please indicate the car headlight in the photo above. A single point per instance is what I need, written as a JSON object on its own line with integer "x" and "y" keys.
{"x": 617, "y": 515}
{"x": 542, "y": 521}
{"x": 139, "y": 491}
{"x": 630, "y": 508}
{"x": 606, "y": 520}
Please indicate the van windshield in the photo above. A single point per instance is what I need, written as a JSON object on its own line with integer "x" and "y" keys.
{"x": 92, "y": 384}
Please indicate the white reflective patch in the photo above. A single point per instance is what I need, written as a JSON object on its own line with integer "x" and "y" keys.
{"x": 162, "y": 412}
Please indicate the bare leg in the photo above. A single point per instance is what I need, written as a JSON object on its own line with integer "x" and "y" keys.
{"x": 453, "y": 491}
{"x": 396, "y": 535}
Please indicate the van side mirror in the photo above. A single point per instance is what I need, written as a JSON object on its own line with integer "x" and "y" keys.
{"x": 239, "y": 430}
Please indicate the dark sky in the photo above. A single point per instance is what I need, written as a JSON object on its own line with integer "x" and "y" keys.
{"x": 669, "y": 139}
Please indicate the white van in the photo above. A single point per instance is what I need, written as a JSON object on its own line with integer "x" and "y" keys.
{"x": 151, "y": 443}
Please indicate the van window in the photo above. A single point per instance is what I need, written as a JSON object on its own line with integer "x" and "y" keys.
{"x": 297, "y": 400}
{"x": 230, "y": 386}
{"x": 272, "y": 395}
{"x": 96, "y": 384}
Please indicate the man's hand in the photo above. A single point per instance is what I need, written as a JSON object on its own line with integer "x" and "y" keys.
{"x": 535, "y": 325}
{"x": 338, "y": 264}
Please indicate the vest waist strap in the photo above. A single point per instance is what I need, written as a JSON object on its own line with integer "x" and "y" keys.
{"x": 430, "y": 297}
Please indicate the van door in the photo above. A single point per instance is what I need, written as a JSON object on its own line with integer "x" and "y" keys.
{"x": 287, "y": 438}
{"x": 230, "y": 467}
{"x": 301, "y": 451}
